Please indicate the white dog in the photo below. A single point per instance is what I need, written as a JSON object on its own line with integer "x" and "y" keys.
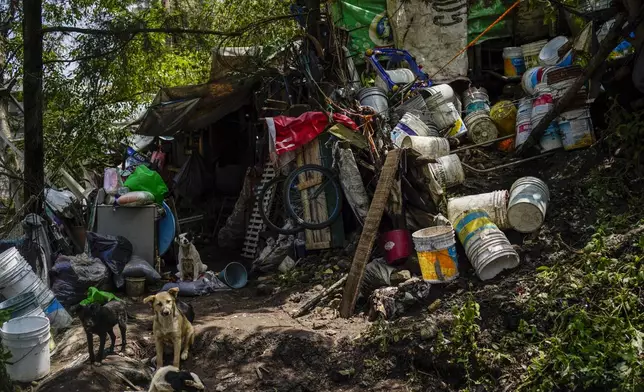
{"x": 190, "y": 265}
{"x": 171, "y": 379}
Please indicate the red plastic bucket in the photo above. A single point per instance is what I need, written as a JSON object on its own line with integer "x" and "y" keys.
{"x": 396, "y": 245}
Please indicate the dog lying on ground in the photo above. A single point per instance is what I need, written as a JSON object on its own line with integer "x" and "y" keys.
{"x": 171, "y": 379}
{"x": 170, "y": 327}
{"x": 100, "y": 320}
{"x": 190, "y": 265}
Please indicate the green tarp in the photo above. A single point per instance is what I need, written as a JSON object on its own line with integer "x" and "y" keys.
{"x": 483, "y": 13}
{"x": 367, "y": 24}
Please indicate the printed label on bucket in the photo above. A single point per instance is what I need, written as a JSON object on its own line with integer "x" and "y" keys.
{"x": 459, "y": 128}
{"x": 439, "y": 265}
{"x": 576, "y": 134}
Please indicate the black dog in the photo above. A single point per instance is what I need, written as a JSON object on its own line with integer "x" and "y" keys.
{"x": 100, "y": 320}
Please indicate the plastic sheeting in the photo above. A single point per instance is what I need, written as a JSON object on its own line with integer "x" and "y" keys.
{"x": 433, "y": 32}
{"x": 351, "y": 181}
{"x": 194, "y": 179}
{"x": 367, "y": 23}
{"x": 115, "y": 252}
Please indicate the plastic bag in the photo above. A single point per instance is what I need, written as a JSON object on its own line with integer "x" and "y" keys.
{"x": 144, "y": 179}
{"x": 133, "y": 199}
{"x": 377, "y": 274}
{"x": 111, "y": 181}
{"x": 72, "y": 276}
{"x": 97, "y": 296}
{"x": 139, "y": 268}
{"x": 115, "y": 252}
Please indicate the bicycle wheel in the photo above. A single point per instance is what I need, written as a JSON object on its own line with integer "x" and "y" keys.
{"x": 313, "y": 196}
{"x": 272, "y": 207}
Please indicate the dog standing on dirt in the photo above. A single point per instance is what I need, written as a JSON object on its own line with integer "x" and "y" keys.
{"x": 171, "y": 379}
{"x": 170, "y": 327}
{"x": 190, "y": 265}
{"x": 100, "y": 320}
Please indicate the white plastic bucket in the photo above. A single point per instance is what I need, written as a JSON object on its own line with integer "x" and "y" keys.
{"x": 411, "y": 125}
{"x": 531, "y": 78}
{"x": 551, "y": 140}
{"x": 480, "y": 127}
{"x": 27, "y": 340}
{"x": 494, "y": 203}
{"x": 542, "y": 103}
{"x": 528, "y": 203}
{"x": 560, "y": 79}
{"x": 444, "y": 115}
{"x": 576, "y": 129}
{"x": 549, "y": 54}
{"x": 531, "y": 53}
{"x": 397, "y": 76}
{"x": 448, "y": 171}
{"x": 375, "y": 98}
{"x": 436, "y": 251}
{"x": 513, "y": 62}
{"x": 444, "y": 91}
{"x": 476, "y": 99}
{"x": 58, "y": 317}
{"x": 21, "y": 305}
{"x": 433, "y": 147}
{"x": 524, "y": 127}
{"x": 487, "y": 248}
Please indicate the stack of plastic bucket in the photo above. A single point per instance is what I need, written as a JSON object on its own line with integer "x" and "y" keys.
{"x": 528, "y": 203}
{"x": 487, "y": 248}
{"x": 17, "y": 277}
{"x": 524, "y": 121}
{"x": 436, "y": 251}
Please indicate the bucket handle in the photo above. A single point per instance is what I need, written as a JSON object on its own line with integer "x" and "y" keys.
{"x": 437, "y": 268}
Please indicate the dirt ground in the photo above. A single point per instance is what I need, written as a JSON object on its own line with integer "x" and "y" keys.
{"x": 247, "y": 341}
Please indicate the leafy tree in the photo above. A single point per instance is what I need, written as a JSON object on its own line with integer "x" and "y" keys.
{"x": 104, "y": 59}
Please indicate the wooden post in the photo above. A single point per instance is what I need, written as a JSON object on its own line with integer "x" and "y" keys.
{"x": 369, "y": 233}
{"x": 607, "y": 46}
{"x": 33, "y": 102}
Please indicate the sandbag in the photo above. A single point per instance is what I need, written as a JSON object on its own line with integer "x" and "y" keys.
{"x": 134, "y": 199}
{"x": 144, "y": 179}
{"x": 139, "y": 268}
{"x": 72, "y": 276}
{"x": 115, "y": 252}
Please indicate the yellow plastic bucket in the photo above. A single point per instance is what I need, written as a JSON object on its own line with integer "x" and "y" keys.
{"x": 436, "y": 251}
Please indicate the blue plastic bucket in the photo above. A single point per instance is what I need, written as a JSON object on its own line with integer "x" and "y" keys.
{"x": 234, "y": 275}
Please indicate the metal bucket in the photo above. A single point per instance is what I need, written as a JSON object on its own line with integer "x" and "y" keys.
{"x": 495, "y": 204}
{"x": 448, "y": 171}
{"x": 480, "y": 127}
{"x": 487, "y": 248}
{"x": 528, "y": 203}
{"x": 436, "y": 251}
{"x": 433, "y": 147}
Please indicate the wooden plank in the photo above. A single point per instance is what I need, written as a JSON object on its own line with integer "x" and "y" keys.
{"x": 369, "y": 233}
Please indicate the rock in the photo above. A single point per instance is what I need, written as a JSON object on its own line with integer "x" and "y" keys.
{"x": 264, "y": 289}
{"x": 344, "y": 264}
{"x": 398, "y": 277}
{"x": 318, "y": 287}
{"x": 286, "y": 265}
{"x": 220, "y": 388}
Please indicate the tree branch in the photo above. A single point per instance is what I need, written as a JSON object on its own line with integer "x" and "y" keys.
{"x": 165, "y": 30}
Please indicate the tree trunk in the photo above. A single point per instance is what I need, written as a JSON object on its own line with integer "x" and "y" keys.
{"x": 33, "y": 102}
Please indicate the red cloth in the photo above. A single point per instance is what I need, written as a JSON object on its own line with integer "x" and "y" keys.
{"x": 291, "y": 132}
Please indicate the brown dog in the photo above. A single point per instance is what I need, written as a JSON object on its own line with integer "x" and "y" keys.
{"x": 170, "y": 326}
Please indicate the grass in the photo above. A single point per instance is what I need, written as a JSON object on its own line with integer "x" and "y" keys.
{"x": 580, "y": 316}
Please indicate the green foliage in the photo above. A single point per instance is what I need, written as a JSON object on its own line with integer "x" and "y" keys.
{"x": 625, "y": 133}
{"x": 94, "y": 84}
